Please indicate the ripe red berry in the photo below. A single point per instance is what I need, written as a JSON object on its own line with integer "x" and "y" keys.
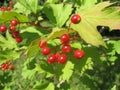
{"x": 64, "y": 38}
{"x": 3, "y": 69}
{"x": 78, "y": 54}
{"x": 52, "y": 59}
{"x": 66, "y": 48}
{"x": 45, "y": 50}
{"x": 11, "y": 67}
{"x": 3, "y": 8}
{"x": 15, "y": 34}
{"x": 14, "y": 22}
{"x": 8, "y": 8}
{"x": 12, "y": 28}
{"x": 75, "y": 19}
{"x": 62, "y": 59}
{"x": 42, "y": 44}
{"x": 3, "y": 65}
{"x": 19, "y": 39}
{"x": 3, "y": 28}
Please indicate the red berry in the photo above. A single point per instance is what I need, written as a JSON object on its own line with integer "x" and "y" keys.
{"x": 3, "y": 28}
{"x": 6, "y": 65}
{"x": 3, "y": 69}
{"x": 75, "y": 19}
{"x": 62, "y": 59}
{"x": 12, "y": 28}
{"x": 11, "y": 67}
{"x": 18, "y": 39}
{"x": 3, "y": 65}
{"x": 66, "y": 48}
{"x": 8, "y": 8}
{"x": 64, "y": 38}
{"x": 14, "y": 22}
{"x": 78, "y": 54}
{"x": 52, "y": 59}
{"x": 11, "y": 3}
{"x": 42, "y": 44}
{"x": 3, "y": 8}
{"x": 45, "y": 50}
{"x": 15, "y": 34}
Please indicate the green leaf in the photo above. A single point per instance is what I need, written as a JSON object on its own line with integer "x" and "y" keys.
{"x": 100, "y": 15}
{"x": 53, "y": 12}
{"x": 51, "y": 1}
{"x": 32, "y": 30}
{"x": 88, "y": 33}
{"x": 33, "y": 49}
{"x": 50, "y": 87}
{"x": 45, "y": 68}
{"x": 41, "y": 85}
{"x": 57, "y": 32}
{"x": 117, "y": 46}
{"x": 8, "y": 42}
{"x": 28, "y": 74}
{"x": 19, "y": 8}
{"x": 8, "y": 16}
{"x": 91, "y": 18}
{"x": 7, "y": 55}
{"x": 67, "y": 71}
{"x": 87, "y": 3}
{"x": 30, "y": 5}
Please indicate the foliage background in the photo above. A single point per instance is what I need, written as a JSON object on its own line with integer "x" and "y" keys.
{"x": 98, "y": 70}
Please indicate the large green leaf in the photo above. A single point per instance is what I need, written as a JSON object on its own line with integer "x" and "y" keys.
{"x": 100, "y": 15}
{"x": 30, "y": 5}
{"x": 91, "y": 18}
{"x": 58, "y": 13}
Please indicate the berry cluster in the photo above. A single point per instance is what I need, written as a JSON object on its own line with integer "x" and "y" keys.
{"x": 61, "y": 56}
{"x": 15, "y": 34}
{"x": 6, "y": 65}
{"x": 7, "y": 8}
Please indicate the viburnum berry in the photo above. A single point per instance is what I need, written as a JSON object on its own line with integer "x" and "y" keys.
{"x": 64, "y": 38}
{"x": 3, "y": 8}
{"x": 78, "y": 54}
{"x": 75, "y": 19}
{"x": 15, "y": 34}
{"x": 45, "y": 50}
{"x": 66, "y": 48}
{"x": 12, "y": 28}
{"x": 52, "y": 59}
{"x": 19, "y": 39}
{"x": 8, "y": 8}
{"x": 14, "y": 22}
{"x": 62, "y": 59}
{"x": 11, "y": 67}
{"x": 3, "y": 28}
{"x": 42, "y": 44}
